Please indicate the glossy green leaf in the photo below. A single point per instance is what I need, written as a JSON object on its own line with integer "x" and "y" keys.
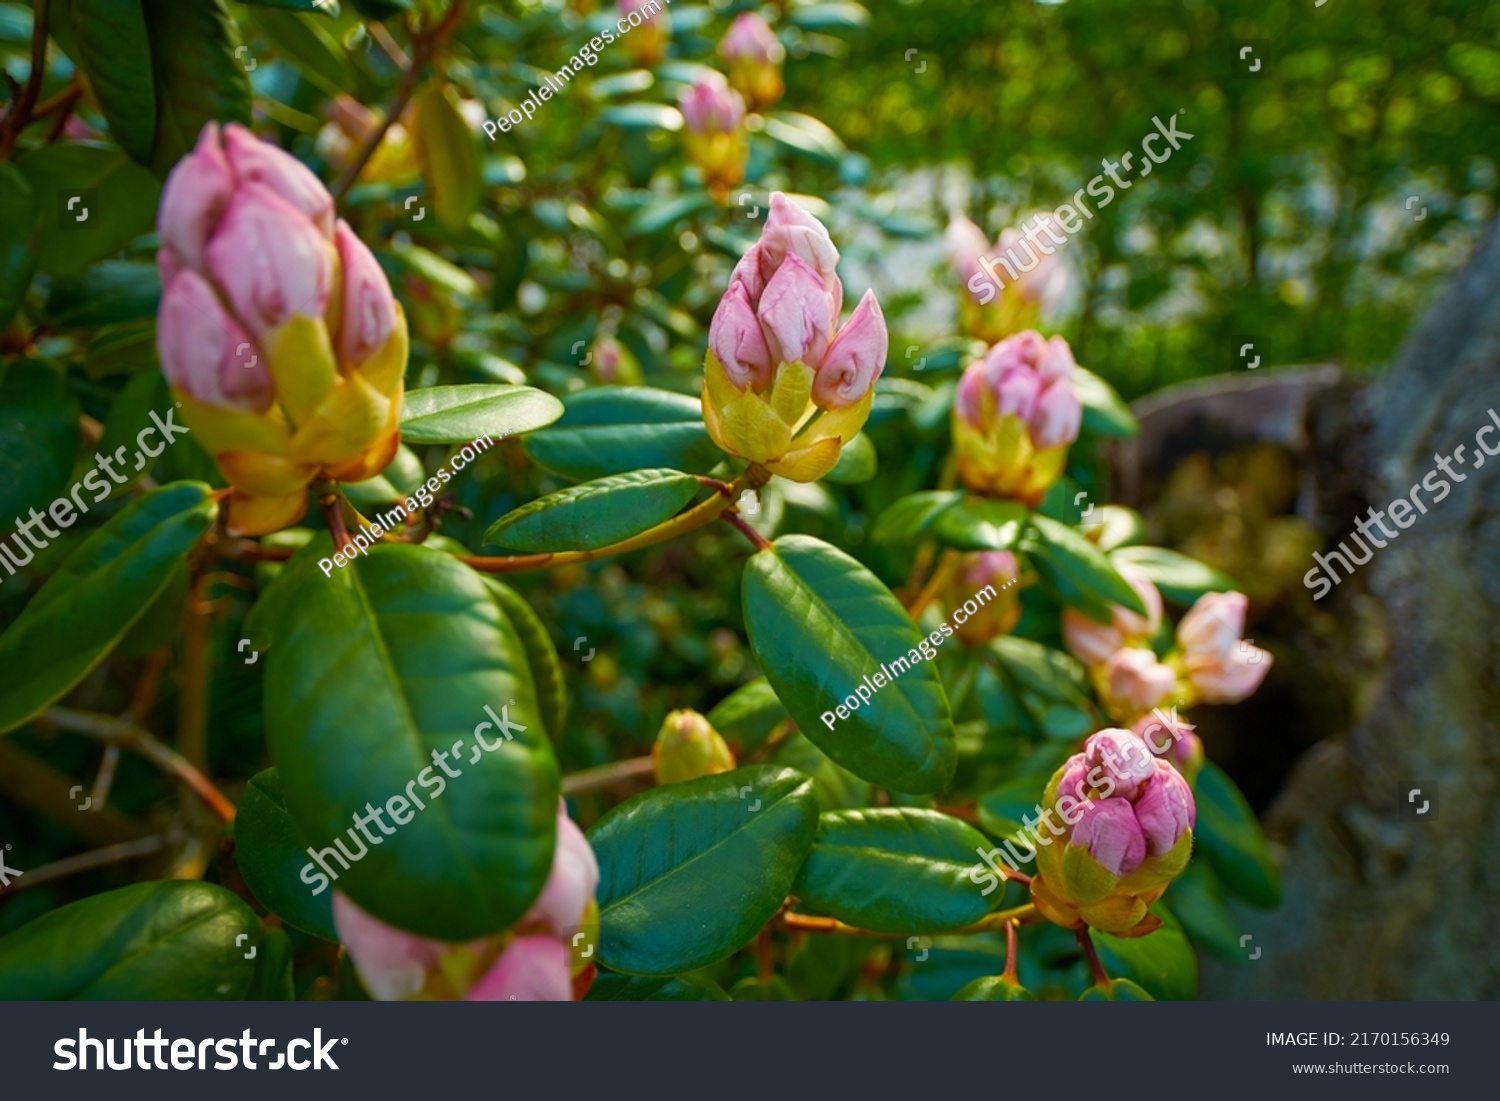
{"x": 913, "y": 515}
{"x": 835, "y": 786}
{"x": 1228, "y": 834}
{"x": 690, "y": 872}
{"x": 1162, "y": 962}
{"x": 449, "y": 157}
{"x": 460, "y": 414}
{"x": 994, "y": 988}
{"x": 109, "y": 293}
{"x": 272, "y": 857}
{"x": 122, "y": 350}
{"x": 857, "y": 462}
{"x": 819, "y": 624}
{"x": 643, "y": 116}
{"x": 1004, "y": 809}
{"x": 805, "y": 135}
{"x": 38, "y": 440}
{"x": 830, "y": 17}
{"x": 100, "y": 591}
{"x": 1114, "y": 526}
{"x": 1198, "y": 901}
{"x": 1049, "y": 673}
{"x": 113, "y": 202}
{"x": 752, "y": 989}
{"x": 747, "y": 716}
{"x": 19, "y": 237}
{"x": 978, "y": 524}
{"x": 1181, "y": 579}
{"x": 273, "y": 981}
{"x": 595, "y": 514}
{"x": 541, "y": 655}
{"x": 329, "y": 8}
{"x": 1116, "y": 990}
{"x": 114, "y": 52}
{"x": 198, "y": 77}
{"x": 168, "y": 941}
{"x": 1077, "y": 571}
{"x": 375, "y": 677}
{"x": 315, "y": 52}
{"x": 1104, "y": 413}
{"x": 612, "y": 987}
{"x": 617, "y": 429}
{"x": 894, "y": 870}
{"x": 659, "y": 215}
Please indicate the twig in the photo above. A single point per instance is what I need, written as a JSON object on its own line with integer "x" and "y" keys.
{"x": 607, "y": 776}
{"x": 37, "y": 785}
{"x": 939, "y": 578}
{"x": 1001, "y": 919}
{"x": 1086, "y": 942}
{"x": 1012, "y": 942}
{"x": 19, "y": 115}
{"x": 105, "y": 778}
{"x": 193, "y": 675}
{"x": 83, "y": 862}
{"x": 736, "y": 521}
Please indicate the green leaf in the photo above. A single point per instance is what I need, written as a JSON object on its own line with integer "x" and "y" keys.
{"x": 329, "y": 8}
{"x": 1162, "y": 962}
{"x": 805, "y": 135}
{"x": 272, "y": 855}
{"x": 894, "y": 870}
{"x": 108, "y": 293}
{"x": 690, "y": 872}
{"x": 541, "y": 655}
{"x": 114, "y": 202}
{"x": 19, "y": 236}
{"x": 1003, "y": 810}
{"x": 1198, "y": 901}
{"x": 100, "y": 591}
{"x": 747, "y": 716}
{"x": 913, "y": 515}
{"x": 38, "y": 440}
{"x": 1181, "y": 579}
{"x": 1049, "y": 673}
{"x": 459, "y": 414}
{"x": 595, "y": 514}
{"x": 1229, "y": 836}
{"x": 1077, "y": 571}
{"x": 449, "y": 157}
{"x": 835, "y": 786}
{"x": 612, "y": 987}
{"x": 615, "y": 429}
{"x": 1104, "y": 414}
{"x": 659, "y": 215}
{"x": 374, "y": 670}
{"x": 642, "y": 116}
{"x": 167, "y": 941}
{"x": 819, "y": 624}
{"x": 857, "y": 462}
{"x": 1115, "y": 990}
{"x": 977, "y": 524}
{"x": 273, "y": 980}
{"x": 198, "y": 77}
{"x": 122, "y": 350}
{"x": 1117, "y": 526}
{"x": 830, "y": 17}
{"x": 114, "y": 51}
{"x": 751, "y": 989}
{"x": 316, "y": 54}
{"x": 994, "y": 988}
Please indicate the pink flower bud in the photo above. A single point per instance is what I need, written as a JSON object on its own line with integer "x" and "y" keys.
{"x": 1229, "y": 678}
{"x": 204, "y": 353}
{"x": 1122, "y": 754}
{"x": 1137, "y": 681}
{"x": 256, "y": 161}
{"x": 1017, "y": 393}
{"x": 1108, "y": 830}
{"x": 1168, "y": 737}
{"x": 736, "y": 339}
{"x": 796, "y": 314}
{"x": 1021, "y": 352}
{"x": 1214, "y": 625}
{"x": 968, "y": 400}
{"x": 750, "y": 38}
{"x": 790, "y": 231}
{"x": 271, "y": 262}
{"x": 196, "y": 193}
{"x": 1056, "y": 361}
{"x": 392, "y": 964}
{"x": 1131, "y": 625}
{"x": 855, "y": 358}
{"x": 1057, "y": 417}
{"x": 711, "y": 106}
{"x": 369, "y": 313}
{"x": 966, "y": 243}
{"x": 531, "y": 969}
{"x": 570, "y": 884}
{"x": 1165, "y": 809}
{"x": 1091, "y": 643}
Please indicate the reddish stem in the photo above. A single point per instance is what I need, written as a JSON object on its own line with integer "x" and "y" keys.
{"x": 1086, "y": 942}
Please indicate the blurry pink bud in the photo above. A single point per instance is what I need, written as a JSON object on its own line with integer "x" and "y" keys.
{"x": 1214, "y": 624}
{"x": 393, "y": 965}
{"x": 369, "y": 313}
{"x": 1167, "y": 736}
{"x": 257, "y": 161}
{"x": 1019, "y": 352}
{"x": 796, "y": 314}
{"x": 1017, "y": 394}
{"x": 750, "y": 38}
{"x": 1229, "y": 678}
{"x": 711, "y": 106}
{"x": 736, "y": 339}
{"x": 855, "y": 358}
{"x": 1137, "y": 680}
{"x": 997, "y": 568}
{"x": 1057, "y": 417}
{"x": 1165, "y": 809}
{"x": 966, "y": 244}
{"x": 792, "y": 231}
{"x": 968, "y": 402}
{"x": 204, "y": 353}
{"x": 1108, "y": 830}
{"x": 1122, "y": 754}
{"x": 531, "y": 969}
{"x": 1128, "y": 622}
{"x": 193, "y": 200}
{"x": 1056, "y": 361}
{"x": 570, "y": 884}
{"x": 270, "y": 261}
{"x": 1091, "y": 643}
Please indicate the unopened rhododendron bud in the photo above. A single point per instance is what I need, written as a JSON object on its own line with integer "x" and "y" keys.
{"x": 1129, "y": 832}
{"x": 613, "y": 364}
{"x": 1220, "y": 666}
{"x": 755, "y": 55}
{"x": 997, "y": 301}
{"x": 688, "y": 747}
{"x": 537, "y": 960}
{"x": 1015, "y": 415}
{"x": 987, "y": 582}
{"x": 277, "y": 328}
{"x": 714, "y": 131}
{"x": 1136, "y": 681}
{"x": 1172, "y": 739}
{"x": 1094, "y": 643}
{"x": 784, "y": 385}
{"x": 650, "y": 30}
